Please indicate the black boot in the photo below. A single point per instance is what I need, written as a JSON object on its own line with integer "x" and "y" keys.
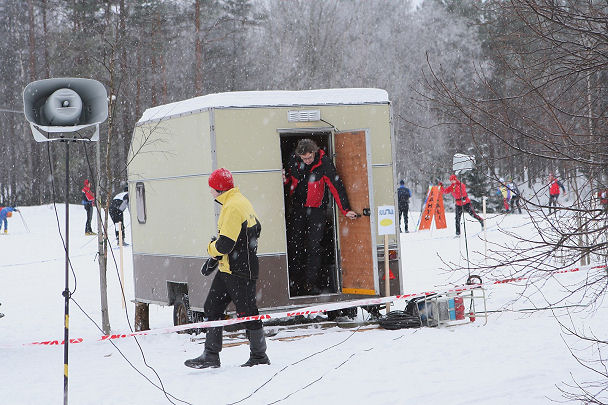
{"x": 211, "y": 355}
{"x": 257, "y": 346}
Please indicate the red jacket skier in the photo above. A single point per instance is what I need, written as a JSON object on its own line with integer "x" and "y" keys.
{"x": 459, "y": 192}
{"x": 603, "y": 196}
{"x": 554, "y": 186}
{"x": 88, "y": 197}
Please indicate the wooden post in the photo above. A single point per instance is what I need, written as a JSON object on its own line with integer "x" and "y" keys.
{"x": 485, "y": 226}
{"x": 387, "y": 272}
{"x": 122, "y": 273}
{"x": 142, "y": 316}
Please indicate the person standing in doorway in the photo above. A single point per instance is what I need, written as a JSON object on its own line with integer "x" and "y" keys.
{"x": 119, "y": 204}
{"x": 309, "y": 173}
{"x": 88, "y": 198}
{"x": 234, "y": 253}
{"x": 463, "y": 203}
{"x": 403, "y": 200}
{"x": 554, "y": 186}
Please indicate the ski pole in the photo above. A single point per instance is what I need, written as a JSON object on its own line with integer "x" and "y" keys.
{"x": 24, "y": 224}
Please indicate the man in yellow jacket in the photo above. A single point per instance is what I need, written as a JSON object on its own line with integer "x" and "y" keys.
{"x": 234, "y": 253}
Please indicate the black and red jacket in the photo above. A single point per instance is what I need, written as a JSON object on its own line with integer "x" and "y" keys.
{"x": 307, "y": 183}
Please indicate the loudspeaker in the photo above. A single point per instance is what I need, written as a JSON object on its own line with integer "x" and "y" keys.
{"x": 65, "y": 105}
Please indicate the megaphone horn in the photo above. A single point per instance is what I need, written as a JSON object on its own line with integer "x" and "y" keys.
{"x": 65, "y": 105}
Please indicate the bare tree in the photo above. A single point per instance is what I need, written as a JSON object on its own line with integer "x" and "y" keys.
{"x": 549, "y": 103}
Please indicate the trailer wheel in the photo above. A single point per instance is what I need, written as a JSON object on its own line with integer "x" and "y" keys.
{"x": 182, "y": 314}
{"x": 348, "y": 312}
{"x": 332, "y": 315}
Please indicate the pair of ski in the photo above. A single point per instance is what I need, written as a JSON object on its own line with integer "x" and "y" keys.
{"x": 295, "y": 332}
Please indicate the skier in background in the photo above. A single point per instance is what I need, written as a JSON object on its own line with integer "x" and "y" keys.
{"x": 119, "y": 204}
{"x": 6, "y": 212}
{"x": 505, "y": 193}
{"x": 603, "y": 197}
{"x": 459, "y": 192}
{"x": 554, "y": 186}
{"x": 515, "y": 196}
{"x": 403, "y": 199}
{"x": 87, "y": 200}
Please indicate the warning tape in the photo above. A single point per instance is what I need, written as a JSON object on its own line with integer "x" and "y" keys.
{"x": 275, "y": 315}
{"x": 574, "y": 270}
{"x": 302, "y": 311}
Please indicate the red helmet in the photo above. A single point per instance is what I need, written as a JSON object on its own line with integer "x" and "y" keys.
{"x": 221, "y": 180}
{"x": 86, "y": 182}
{"x": 453, "y": 178}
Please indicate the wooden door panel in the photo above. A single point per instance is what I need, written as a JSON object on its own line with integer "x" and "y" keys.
{"x": 355, "y": 236}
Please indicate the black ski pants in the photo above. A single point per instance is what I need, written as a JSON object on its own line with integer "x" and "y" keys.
{"x": 118, "y": 216}
{"x": 403, "y": 211}
{"x": 469, "y": 209}
{"x": 227, "y": 288}
{"x": 307, "y": 228}
{"x": 89, "y": 209}
{"x": 515, "y": 200}
{"x": 553, "y": 202}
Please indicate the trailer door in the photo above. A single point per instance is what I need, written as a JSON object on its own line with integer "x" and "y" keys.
{"x": 356, "y": 240}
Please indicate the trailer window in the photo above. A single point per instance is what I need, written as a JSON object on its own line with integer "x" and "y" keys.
{"x": 140, "y": 198}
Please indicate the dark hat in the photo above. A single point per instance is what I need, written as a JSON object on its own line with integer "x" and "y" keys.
{"x": 401, "y": 182}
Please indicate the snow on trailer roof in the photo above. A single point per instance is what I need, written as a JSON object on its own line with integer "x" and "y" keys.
{"x": 279, "y": 98}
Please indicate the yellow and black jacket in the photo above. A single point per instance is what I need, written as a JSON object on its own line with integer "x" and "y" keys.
{"x": 238, "y": 233}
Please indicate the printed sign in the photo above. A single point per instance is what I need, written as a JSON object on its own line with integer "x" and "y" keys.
{"x": 386, "y": 220}
{"x": 433, "y": 208}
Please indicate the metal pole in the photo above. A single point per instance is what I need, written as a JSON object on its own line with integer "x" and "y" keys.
{"x": 122, "y": 274}
{"x": 387, "y": 279}
{"x": 66, "y": 292}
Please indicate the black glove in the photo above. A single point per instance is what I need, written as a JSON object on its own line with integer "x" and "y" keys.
{"x": 209, "y": 266}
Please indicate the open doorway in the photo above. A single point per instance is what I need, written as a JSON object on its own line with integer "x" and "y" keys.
{"x": 326, "y": 279}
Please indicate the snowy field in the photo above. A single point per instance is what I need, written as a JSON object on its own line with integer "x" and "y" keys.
{"x": 518, "y": 357}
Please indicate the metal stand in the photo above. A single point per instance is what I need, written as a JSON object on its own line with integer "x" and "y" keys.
{"x": 66, "y": 292}
{"x": 437, "y": 310}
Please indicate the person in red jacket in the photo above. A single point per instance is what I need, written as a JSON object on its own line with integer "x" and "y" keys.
{"x": 459, "y": 192}
{"x": 603, "y": 196}
{"x": 88, "y": 198}
{"x": 554, "y": 186}
{"x": 309, "y": 173}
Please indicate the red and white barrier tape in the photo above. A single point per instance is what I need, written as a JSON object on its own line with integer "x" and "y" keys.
{"x": 512, "y": 280}
{"x": 275, "y": 315}
{"x": 302, "y": 311}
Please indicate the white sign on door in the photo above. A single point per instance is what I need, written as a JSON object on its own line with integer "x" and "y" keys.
{"x": 386, "y": 220}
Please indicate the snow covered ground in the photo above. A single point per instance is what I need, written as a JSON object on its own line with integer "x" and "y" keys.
{"x": 518, "y": 357}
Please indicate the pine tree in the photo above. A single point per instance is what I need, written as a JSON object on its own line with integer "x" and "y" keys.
{"x": 479, "y": 186}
